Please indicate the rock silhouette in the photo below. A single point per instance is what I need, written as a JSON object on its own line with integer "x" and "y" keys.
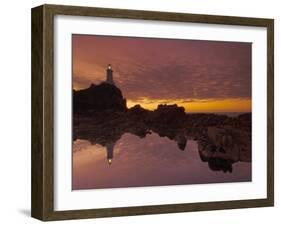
{"x": 101, "y": 116}
{"x": 223, "y": 146}
{"x": 100, "y": 97}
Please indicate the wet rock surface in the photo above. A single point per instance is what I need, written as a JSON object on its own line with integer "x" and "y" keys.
{"x": 100, "y": 116}
{"x": 221, "y": 140}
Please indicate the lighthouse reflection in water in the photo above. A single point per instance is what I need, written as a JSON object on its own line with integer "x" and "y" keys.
{"x": 151, "y": 161}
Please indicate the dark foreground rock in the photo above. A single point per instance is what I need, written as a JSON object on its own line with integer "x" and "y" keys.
{"x": 100, "y": 97}
{"x": 222, "y": 140}
{"x": 223, "y": 146}
{"x": 101, "y": 116}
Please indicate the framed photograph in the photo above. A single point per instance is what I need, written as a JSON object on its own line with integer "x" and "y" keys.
{"x": 142, "y": 112}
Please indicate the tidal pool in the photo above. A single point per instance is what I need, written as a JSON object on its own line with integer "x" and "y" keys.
{"x": 150, "y": 161}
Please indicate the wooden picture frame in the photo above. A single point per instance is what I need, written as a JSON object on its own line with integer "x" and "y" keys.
{"x": 42, "y": 204}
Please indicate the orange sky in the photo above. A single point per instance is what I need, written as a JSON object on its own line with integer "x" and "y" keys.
{"x": 202, "y": 76}
{"x": 208, "y": 105}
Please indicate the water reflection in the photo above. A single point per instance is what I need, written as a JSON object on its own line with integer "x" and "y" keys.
{"x": 109, "y": 150}
{"x": 160, "y": 157}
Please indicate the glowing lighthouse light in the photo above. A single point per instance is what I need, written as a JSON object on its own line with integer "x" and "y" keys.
{"x": 109, "y": 150}
{"x": 109, "y": 75}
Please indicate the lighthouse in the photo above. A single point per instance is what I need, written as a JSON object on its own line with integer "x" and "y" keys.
{"x": 109, "y": 75}
{"x": 109, "y": 150}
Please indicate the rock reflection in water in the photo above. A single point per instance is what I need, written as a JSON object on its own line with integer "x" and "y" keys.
{"x": 153, "y": 157}
{"x": 124, "y": 147}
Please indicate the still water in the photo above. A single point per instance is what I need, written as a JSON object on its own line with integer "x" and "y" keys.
{"x": 150, "y": 161}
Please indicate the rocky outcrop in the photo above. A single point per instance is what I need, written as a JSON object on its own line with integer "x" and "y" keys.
{"x": 219, "y": 146}
{"x": 101, "y": 116}
{"x": 223, "y": 146}
{"x": 171, "y": 116}
{"x": 100, "y": 97}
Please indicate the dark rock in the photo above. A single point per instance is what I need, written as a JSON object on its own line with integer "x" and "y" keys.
{"x": 137, "y": 110}
{"x": 181, "y": 141}
{"x": 169, "y": 116}
{"x": 101, "y": 116}
{"x": 100, "y": 97}
{"x": 220, "y": 164}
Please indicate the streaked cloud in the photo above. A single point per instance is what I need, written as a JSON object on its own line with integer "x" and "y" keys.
{"x": 165, "y": 69}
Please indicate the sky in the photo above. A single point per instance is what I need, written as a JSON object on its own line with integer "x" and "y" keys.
{"x": 201, "y": 76}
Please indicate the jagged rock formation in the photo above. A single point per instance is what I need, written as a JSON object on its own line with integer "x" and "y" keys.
{"x": 223, "y": 146}
{"x": 171, "y": 116}
{"x": 101, "y": 116}
{"x": 219, "y": 145}
{"x": 100, "y": 97}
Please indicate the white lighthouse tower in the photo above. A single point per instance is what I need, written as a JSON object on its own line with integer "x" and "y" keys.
{"x": 109, "y": 75}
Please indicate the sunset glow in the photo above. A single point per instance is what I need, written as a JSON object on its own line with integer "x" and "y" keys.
{"x": 207, "y": 105}
{"x": 193, "y": 122}
{"x": 201, "y": 76}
